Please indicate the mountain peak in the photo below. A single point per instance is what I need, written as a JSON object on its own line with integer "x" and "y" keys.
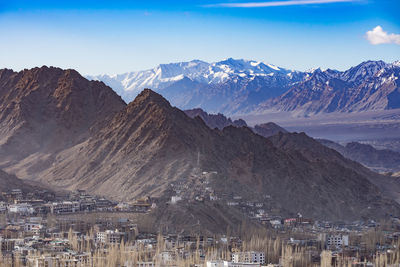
{"x": 396, "y": 63}
{"x": 149, "y": 96}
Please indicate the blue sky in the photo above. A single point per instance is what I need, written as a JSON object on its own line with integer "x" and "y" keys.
{"x": 120, "y": 36}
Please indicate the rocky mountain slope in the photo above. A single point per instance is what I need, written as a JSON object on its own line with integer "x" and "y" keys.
{"x": 149, "y": 148}
{"x": 150, "y": 144}
{"x": 45, "y": 110}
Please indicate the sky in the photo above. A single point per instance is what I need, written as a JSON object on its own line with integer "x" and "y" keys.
{"x": 96, "y": 37}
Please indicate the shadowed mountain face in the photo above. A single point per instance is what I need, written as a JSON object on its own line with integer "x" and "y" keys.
{"x": 144, "y": 147}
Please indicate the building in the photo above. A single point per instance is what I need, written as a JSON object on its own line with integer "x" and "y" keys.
{"x": 65, "y": 207}
{"x": 64, "y": 259}
{"x": 22, "y": 208}
{"x": 140, "y": 264}
{"x": 110, "y": 237}
{"x": 248, "y": 257}
{"x": 221, "y": 263}
{"x": 337, "y": 240}
{"x": 175, "y": 199}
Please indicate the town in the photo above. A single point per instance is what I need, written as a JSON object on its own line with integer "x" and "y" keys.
{"x": 78, "y": 229}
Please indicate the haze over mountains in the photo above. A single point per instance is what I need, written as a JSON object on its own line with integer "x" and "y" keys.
{"x": 245, "y": 86}
{"x": 80, "y": 134}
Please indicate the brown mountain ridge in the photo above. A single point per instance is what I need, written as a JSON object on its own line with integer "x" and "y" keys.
{"x": 141, "y": 149}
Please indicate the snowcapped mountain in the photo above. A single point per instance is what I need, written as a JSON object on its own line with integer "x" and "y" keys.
{"x": 229, "y": 86}
{"x": 364, "y": 70}
{"x": 371, "y": 85}
{"x": 237, "y": 86}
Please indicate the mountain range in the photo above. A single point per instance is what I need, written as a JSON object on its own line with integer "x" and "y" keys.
{"x": 219, "y": 121}
{"x": 64, "y": 131}
{"x": 382, "y": 160}
{"x": 237, "y": 86}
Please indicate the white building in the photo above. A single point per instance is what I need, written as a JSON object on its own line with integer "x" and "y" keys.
{"x": 175, "y": 199}
{"x": 140, "y": 264}
{"x": 167, "y": 257}
{"x": 337, "y": 240}
{"x": 221, "y": 263}
{"x": 110, "y": 237}
{"x": 32, "y": 226}
{"x": 248, "y": 257}
{"x": 22, "y": 208}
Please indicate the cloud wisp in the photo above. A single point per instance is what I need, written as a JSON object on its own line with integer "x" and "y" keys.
{"x": 378, "y": 36}
{"x": 278, "y": 3}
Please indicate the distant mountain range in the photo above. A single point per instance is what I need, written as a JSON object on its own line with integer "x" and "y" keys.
{"x": 382, "y": 160}
{"x": 227, "y": 86}
{"x": 58, "y": 128}
{"x": 219, "y": 121}
{"x": 372, "y": 85}
{"x": 245, "y": 86}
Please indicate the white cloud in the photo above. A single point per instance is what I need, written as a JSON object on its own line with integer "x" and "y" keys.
{"x": 378, "y": 36}
{"x": 279, "y": 3}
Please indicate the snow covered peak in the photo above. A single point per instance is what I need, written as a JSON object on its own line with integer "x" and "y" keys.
{"x": 129, "y": 84}
{"x": 312, "y": 70}
{"x": 396, "y": 63}
{"x": 211, "y": 73}
{"x": 321, "y": 75}
{"x": 364, "y": 70}
{"x": 248, "y": 66}
{"x": 182, "y": 68}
